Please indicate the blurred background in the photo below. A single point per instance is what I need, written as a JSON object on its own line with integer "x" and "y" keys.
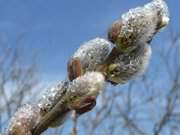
{"x": 37, "y": 37}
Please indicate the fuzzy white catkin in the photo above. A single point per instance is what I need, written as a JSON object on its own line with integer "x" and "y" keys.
{"x": 93, "y": 53}
{"x": 143, "y": 21}
{"x": 52, "y": 96}
{"x": 91, "y": 83}
{"x": 24, "y": 120}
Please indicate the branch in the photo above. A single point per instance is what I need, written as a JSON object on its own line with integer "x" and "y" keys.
{"x": 30, "y": 120}
{"x": 95, "y": 62}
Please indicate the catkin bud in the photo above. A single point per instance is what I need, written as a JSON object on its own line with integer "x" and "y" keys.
{"x": 93, "y": 53}
{"x": 139, "y": 25}
{"x": 90, "y": 84}
{"x": 24, "y": 120}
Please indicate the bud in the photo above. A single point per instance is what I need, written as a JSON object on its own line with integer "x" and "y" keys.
{"x": 52, "y": 96}
{"x": 139, "y": 25}
{"x": 88, "y": 85}
{"x": 93, "y": 53}
{"x": 24, "y": 120}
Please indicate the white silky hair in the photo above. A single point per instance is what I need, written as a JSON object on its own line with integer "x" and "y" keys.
{"x": 93, "y": 53}
{"x": 131, "y": 65}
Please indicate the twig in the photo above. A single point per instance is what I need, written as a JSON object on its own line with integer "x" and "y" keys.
{"x": 28, "y": 120}
{"x": 74, "y": 118}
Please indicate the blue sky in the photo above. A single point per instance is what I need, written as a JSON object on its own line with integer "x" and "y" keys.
{"x": 54, "y": 29}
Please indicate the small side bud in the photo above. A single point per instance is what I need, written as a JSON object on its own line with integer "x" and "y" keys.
{"x": 114, "y": 31}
